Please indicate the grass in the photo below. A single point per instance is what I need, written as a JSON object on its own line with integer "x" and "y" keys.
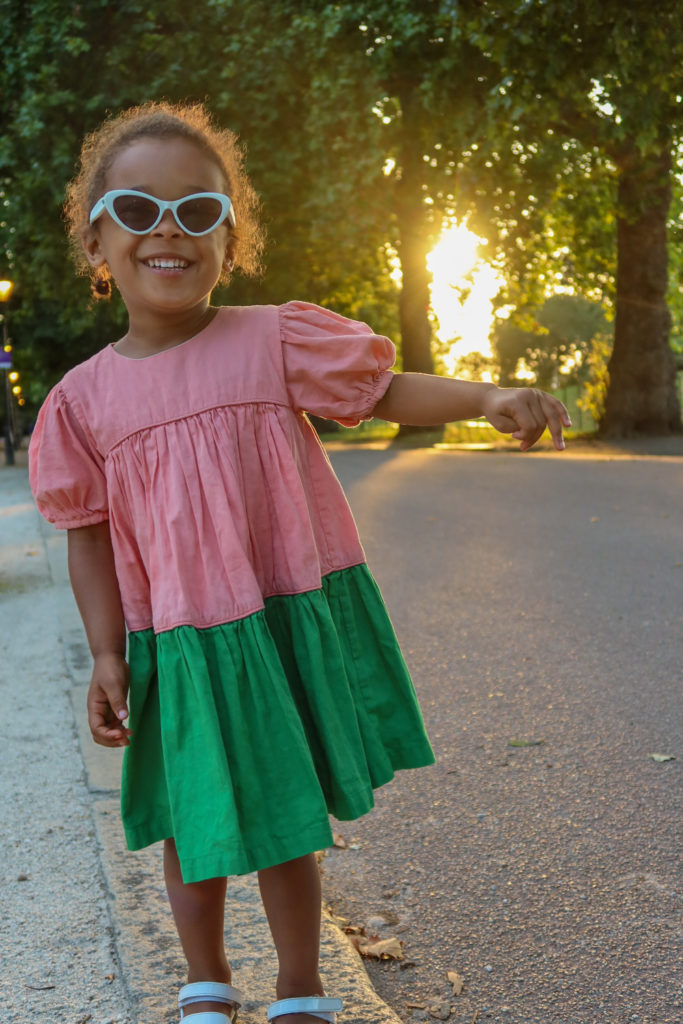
{"x": 471, "y": 434}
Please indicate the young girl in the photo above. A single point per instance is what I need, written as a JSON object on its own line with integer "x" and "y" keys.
{"x": 263, "y": 686}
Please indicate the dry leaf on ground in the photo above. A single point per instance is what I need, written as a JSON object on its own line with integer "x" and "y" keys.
{"x": 457, "y": 981}
{"x": 382, "y": 949}
{"x": 661, "y": 758}
{"x": 341, "y": 922}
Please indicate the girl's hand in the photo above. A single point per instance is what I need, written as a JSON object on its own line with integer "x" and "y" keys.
{"x": 525, "y": 413}
{"x": 107, "y": 708}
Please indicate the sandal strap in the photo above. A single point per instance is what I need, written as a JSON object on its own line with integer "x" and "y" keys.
{"x": 211, "y": 992}
{"x": 208, "y": 1017}
{"x": 317, "y": 1006}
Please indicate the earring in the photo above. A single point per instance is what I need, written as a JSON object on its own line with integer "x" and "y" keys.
{"x": 101, "y": 288}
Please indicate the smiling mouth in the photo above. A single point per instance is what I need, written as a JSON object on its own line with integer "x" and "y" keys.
{"x": 166, "y": 264}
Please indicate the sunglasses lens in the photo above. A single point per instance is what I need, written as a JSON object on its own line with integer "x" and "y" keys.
{"x": 198, "y": 215}
{"x": 136, "y": 212}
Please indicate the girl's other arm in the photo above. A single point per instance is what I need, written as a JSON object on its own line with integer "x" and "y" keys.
{"x": 96, "y": 589}
{"x": 421, "y": 399}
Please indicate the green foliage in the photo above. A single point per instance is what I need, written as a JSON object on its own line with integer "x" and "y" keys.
{"x": 596, "y": 381}
{"x": 675, "y": 252}
{"x": 581, "y": 90}
{"x": 475, "y": 366}
{"x": 367, "y": 124}
{"x": 596, "y": 119}
{"x": 314, "y": 154}
{"x": 49, "y": 103}
{"x": 556, "y": 346}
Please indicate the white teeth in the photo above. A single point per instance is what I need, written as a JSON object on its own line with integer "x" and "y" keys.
{"x": 161, "y": 264}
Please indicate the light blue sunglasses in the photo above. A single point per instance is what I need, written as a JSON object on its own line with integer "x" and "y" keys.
{"x": 140, "y": 213}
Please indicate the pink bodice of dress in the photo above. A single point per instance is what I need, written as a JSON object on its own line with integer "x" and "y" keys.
{"x": 216, "y": 487}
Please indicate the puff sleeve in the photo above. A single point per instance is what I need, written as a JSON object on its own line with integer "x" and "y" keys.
{"x": 66, "y": 471}
{"x": 334, "y": 367}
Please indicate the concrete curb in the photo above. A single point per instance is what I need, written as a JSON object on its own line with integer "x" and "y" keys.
{"x": 150, "y": 964}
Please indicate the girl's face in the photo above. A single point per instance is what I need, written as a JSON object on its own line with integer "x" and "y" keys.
{"x": 156, "y": 293}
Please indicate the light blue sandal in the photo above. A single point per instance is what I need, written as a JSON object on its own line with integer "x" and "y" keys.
{"x": 209, "y": 992}
{"x": 316, "y": 1006}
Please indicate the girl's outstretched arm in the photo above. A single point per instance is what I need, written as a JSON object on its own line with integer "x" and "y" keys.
{"x": 96, "y": 589}
{"x": 422, "y": 399}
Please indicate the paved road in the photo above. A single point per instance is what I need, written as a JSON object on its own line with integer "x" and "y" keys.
{"x": 538, "y": 599}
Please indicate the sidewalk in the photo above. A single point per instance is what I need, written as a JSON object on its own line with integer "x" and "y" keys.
{"x": 87, "y": 934}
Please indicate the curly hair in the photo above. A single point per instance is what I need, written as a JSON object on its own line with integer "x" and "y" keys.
{"x": 162, "y": 120}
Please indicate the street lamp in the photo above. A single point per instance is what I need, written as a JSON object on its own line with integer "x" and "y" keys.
{"x": 6, "y": 288}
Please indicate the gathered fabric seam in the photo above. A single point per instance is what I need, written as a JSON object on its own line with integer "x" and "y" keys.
{"x": 198, "y": 412}
{"x": 249, "y": 614}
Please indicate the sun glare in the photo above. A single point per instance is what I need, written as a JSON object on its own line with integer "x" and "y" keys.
{"x": 462, "y": 292}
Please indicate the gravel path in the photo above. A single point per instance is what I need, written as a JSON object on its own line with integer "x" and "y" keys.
{"x": 59, "y": 963}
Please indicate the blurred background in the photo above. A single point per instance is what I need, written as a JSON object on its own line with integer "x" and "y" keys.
{"x": 497, "y": 187}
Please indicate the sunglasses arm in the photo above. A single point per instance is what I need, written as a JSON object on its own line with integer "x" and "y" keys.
{"x": 97, "y": 211}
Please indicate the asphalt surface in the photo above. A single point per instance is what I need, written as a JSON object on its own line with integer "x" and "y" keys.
{"x": 538, "y": 602}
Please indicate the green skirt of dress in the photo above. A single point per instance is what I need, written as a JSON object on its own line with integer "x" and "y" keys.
{"x": 247, "y": 735}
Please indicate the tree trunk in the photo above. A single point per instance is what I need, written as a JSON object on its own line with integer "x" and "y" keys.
{"x": 414, "y": 243}
{"x": 642, "y": 396}
{"x": 416, "y": 330}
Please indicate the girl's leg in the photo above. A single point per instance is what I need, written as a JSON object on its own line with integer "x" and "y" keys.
{"x": 199, "y": 911}
{"x": 292, "y": 901}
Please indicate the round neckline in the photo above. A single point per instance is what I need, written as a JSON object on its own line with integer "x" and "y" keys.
{"x": 171, "y": 348}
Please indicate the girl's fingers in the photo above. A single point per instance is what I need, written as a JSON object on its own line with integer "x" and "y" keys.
{"x": 525, "y": 413}
{"x": 111, "y": 739}
{"x": 535, "y": 414}
{"x": 106, "y": 724}
{"x": 556, "y": 417}
{"x": 109, "y": 735}
{"x": 504, "y": 424}
{"x": 529, "y": 419}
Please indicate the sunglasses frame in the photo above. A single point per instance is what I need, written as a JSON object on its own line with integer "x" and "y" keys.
{"x": 108, "y": 199}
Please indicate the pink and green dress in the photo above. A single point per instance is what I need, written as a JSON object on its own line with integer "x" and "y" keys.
{"x": 267, "y": 686}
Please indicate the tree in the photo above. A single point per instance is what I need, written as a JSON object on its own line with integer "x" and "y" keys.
{"x": 49, "y": 51}
{"x": 314, "y": 153}
{"x": 422, "y": 68}
{"x": 556, "y": 345}
{"x": 315, "y": 188}
{"x": 604, "y": 83}
{"x": 563, "y": 134}
{"x": 547, "y": 123}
